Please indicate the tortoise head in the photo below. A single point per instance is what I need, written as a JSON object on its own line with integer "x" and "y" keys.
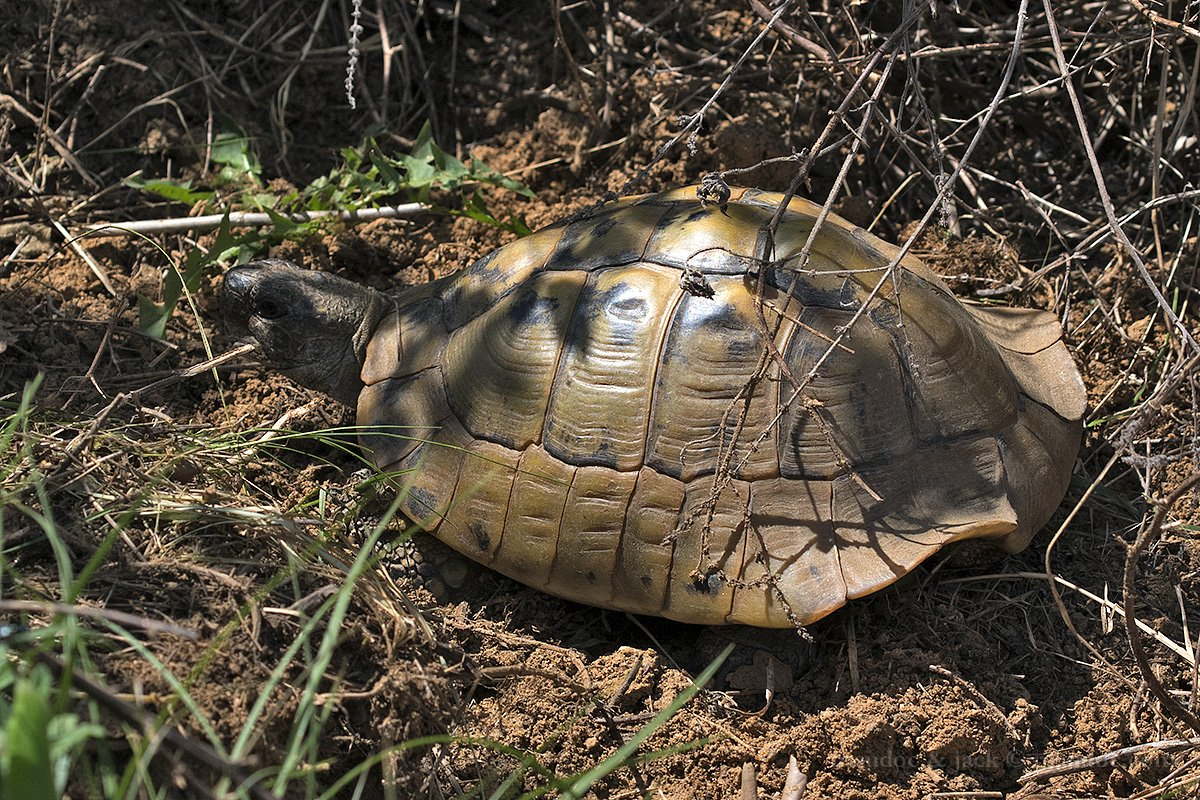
{"x": 311, "y": 326}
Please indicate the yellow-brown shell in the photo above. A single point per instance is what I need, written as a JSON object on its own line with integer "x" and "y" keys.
{"x": 566, "y": 413}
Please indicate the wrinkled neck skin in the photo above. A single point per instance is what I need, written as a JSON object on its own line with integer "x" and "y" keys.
{"x": 333, "y": 363}
{"x": 345, "y": 385}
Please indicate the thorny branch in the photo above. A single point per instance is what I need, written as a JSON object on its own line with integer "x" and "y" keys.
{"x": 692, "y": 122}
{"x": 1102, "y": 189}
{"x": 724, "y": 476}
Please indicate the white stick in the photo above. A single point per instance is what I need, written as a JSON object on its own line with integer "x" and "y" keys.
{"x": 243, "y": 219}
{"x": 1116, "y": 608}
{"x": 80, "y": 251}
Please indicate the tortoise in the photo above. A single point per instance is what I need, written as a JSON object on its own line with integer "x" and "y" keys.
{"x": 656, "y": 407}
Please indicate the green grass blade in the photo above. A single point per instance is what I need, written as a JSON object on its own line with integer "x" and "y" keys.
{"x": 618, "y": 759}
{"x": 305, "y": 712}
{"x": 172, "y": 681}
{"x": 528, "y": 760}
{"x": 277, "y": 675}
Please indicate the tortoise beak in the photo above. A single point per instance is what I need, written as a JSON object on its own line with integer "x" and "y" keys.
{"x": 237, "y": 288}
{"x": 237, "y": 281}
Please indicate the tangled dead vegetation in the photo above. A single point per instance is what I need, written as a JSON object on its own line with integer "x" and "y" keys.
{"x": 177, "y": 526}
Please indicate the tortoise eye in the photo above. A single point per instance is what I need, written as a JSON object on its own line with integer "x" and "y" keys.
{"x": 268, "y": 308}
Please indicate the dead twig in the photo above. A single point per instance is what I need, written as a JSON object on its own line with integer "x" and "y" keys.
{"x": 791, "y": 34}
{"x": 1147, "y": 535}
{"x": 1122, "y": 442}
{"x": 1102, "y": 189}
{"x": 119, "y": 617}
{"x": 79, "y": 441}
{"x": 691, "y": 123}
{"x": 7, "y": 100}
{"x": 1166, "y": 22}
{"x": 1104, "y": 759}
{"x": 978, "y": 696}
{"x": 97, "y": 270}
{"x": 1108, "y": 606}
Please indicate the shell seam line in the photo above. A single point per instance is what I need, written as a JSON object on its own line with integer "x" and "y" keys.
{"x": 407, "y": 375}
{"x": 1047, "y": 407}
{"x": 429, "y": 525}
{"x": 562, "y": 516}
{"x": 667, "y": 209}
{"x": 780, "y": 444}
{"x": 612, "y": 580}
{"x": 512, "y": 487}
{"x": 733, "y": 593}
{"x": 836, "y": 543}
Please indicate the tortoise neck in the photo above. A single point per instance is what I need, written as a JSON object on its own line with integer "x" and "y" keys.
{"x": 347, "y": 383}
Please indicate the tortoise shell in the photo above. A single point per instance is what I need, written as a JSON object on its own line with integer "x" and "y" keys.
{"x": 642, "y": 409}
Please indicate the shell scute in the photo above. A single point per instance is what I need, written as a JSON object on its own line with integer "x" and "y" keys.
{"x": 710, "y": 544}
{"x": 607, "y": 238}
{"x": 589, "y": 539}
{"x": 853, "y": 408}
{"x": 500, "y": 366}
{"x": 535, "y": 511}
{"x": 601, "y": 397}
{"x": 956, "y": 374}
{"x": 713, "y": 348}
{"x": 640, "y": 582}
{"x": 477, "y": 288}
{"x": 707, "y": 239}
{"x": 790, "y": 571}
{"x": 474, "y": 522}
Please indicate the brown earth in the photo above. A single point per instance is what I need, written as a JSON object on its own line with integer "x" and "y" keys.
{"x": 961, "y": 678}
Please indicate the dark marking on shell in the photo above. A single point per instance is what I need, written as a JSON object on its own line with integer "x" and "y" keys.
{"x": 481, "y": 537}
{"x": 623, "y": 307}
{"x": 604, "y": 226}
{"x": 807, "y": 291}
{"x": 632, "y": 307}
{"x": 531, "y": 308}
{"x": 423, "y": 498}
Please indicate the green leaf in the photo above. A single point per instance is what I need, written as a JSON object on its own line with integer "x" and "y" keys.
{"x": 475, "y": 208}
{"x": 261, "y": 201}
{"x": 281, "y": 225}
{"x": 418, "y": 171}
{"x": 387, "y": 172}
{"x": 518, "y": 225}
{"x": 153, "y": 317}
{"x": 68, "y": 734}
{"x": 232, "y": 151}
{"x": 423, "y": 147}
{"x": 178, "y": 191}
{"x": 369, "y": 176}
{"x": 485, "y": 174}
{"x": 450, "y": 170}
{"x": 27, "y": 773}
